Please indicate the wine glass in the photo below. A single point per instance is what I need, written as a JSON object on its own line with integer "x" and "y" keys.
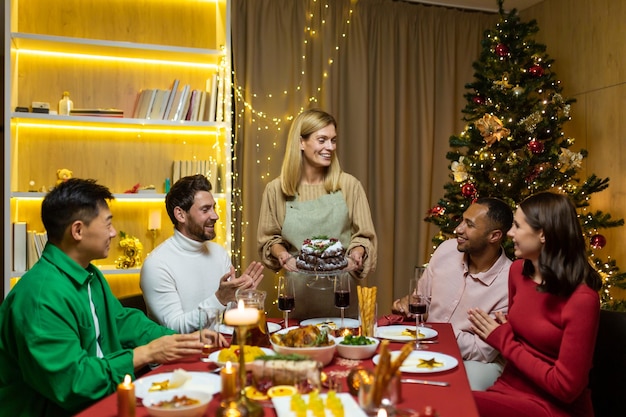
{"x": 342, "y": 294}
{"x": 418, "y": 305}
{"x": 286, "y": 297}
{"x": 207, "y": 327}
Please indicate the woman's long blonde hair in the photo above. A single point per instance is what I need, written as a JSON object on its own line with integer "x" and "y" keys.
{"x": 306, "y": 123}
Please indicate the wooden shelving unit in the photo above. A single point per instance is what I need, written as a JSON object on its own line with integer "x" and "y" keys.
{"x": 104, "y": 53}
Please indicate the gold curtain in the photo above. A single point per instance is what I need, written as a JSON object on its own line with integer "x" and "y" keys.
{"x": 392, "y": 74}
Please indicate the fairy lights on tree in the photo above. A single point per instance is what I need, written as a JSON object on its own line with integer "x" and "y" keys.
{"x": 513, "y": 144}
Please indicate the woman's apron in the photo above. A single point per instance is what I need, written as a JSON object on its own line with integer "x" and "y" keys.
{"x": 324, "y": 216}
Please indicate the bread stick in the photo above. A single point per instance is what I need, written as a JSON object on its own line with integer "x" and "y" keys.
{"x": 380, "y": 382}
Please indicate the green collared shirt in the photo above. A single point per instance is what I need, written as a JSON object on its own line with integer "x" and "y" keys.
{"x": 48, "y": 362}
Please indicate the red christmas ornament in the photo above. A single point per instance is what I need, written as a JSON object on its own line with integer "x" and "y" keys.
{"x": 502, "y": 50}
{"x": 478, "y": 99}
{"x": 535, "y": 146}
{"x": 597, "y": 241}
{"x": 533, "y": 175}
{"x": 536, "y": 71}
{"x": 436, "y": 211}
{"x": 468, "y": 190}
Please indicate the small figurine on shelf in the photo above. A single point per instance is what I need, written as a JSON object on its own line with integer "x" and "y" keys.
{"x": 132, "y": 248}
{"x": 63, "y": 175}
{"x": 133, "y": 190}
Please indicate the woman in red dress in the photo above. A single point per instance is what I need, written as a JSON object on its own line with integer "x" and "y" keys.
{"x": 549, "y": 334}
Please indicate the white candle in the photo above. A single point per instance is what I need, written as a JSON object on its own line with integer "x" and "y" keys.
{"x": 241, "y": 316}
{"x": 382, "y": 412}
{"x": 154, "y": 221}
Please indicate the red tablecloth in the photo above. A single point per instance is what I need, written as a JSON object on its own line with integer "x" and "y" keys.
{"x": 455, "y": 400}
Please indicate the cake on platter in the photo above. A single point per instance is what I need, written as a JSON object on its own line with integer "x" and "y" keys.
{"x": 321, "y": 253}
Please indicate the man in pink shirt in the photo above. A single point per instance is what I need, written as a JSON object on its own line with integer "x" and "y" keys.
{"x": 471, "y": 271}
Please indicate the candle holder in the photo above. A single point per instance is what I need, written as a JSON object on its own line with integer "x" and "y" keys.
{"x": 153, "y": 237}
{"x": 242, "y": 405}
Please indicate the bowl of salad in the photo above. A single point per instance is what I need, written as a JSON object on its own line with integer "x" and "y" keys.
{"x": 357, "y": 347}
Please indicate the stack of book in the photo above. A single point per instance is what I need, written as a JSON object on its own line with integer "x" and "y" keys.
{"x": 208, "y": 168}
{"x": 185, "y": 103}
{"x": 97, "y": 112}
{"x": 27, "y": 246}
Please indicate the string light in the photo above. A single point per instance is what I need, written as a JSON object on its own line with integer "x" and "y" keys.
{"x": 313, "y": 26}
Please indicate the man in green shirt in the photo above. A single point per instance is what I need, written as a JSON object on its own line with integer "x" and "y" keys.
{"x": 65, "y": 340}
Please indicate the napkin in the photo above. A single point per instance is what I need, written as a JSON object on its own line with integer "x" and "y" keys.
{"x": 390, "y": 319}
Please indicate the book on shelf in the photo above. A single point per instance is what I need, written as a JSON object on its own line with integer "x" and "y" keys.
{"x": 144, "y": 103}
{"x": 212, "y": 173}
{"x": 221, "y": 83}
{"x": 36, "y": 243}
{"x": 201, "y": 110}
{"x": 19, "y": 247}
{"x": 97, "y": 112}
{"x": 194, "y": 106}
{"x": 175, "y": 171}
{"x": 212, "y": 84}
{"x": 159, "y": 104}
{"x": 181, "y": 105}
{"x": 170, "y": 99}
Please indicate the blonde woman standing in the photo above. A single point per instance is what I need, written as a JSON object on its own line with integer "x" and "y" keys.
{"x": 312, "y": 197}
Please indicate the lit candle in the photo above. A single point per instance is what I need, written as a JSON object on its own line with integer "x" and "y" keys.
{"x": 241, "y": 316}
{"x": 382, "y": 412}
{"x": 154, "y": 221}
{"x": 229, "y": 381}
{"x": 126, "y": 398}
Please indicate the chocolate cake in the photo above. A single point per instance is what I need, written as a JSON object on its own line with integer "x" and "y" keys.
{"x": 322, "y": 254}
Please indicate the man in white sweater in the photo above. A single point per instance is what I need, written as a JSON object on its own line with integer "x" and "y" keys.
{"x": 188, "y": 271}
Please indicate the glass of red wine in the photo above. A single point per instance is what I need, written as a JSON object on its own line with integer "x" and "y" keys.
{"x": 286, "y": 297}
{"x": 418, "y": 305}
{"x": 342, "y": 294}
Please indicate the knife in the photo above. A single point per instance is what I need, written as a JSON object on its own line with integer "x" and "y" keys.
{"x": 425, "y": 382}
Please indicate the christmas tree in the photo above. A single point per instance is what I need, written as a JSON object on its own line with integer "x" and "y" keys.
{"x": 513, "y": 144}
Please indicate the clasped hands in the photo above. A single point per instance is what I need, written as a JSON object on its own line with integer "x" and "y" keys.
{"x": 483, "y": 324}
{"x": 229, "y": 283}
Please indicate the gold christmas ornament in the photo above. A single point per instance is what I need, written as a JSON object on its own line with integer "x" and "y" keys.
{"x": 569, "y": 159}
{"x": 485, "y": 155}
{"x": 504, "y": 83}
{"x": 491, "y": 129}
{"x": 356, "y": 377}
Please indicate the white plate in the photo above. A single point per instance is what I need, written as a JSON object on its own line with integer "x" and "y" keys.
{"x": 214, "y": 355}
{"x": 272, "y": 327}
{"x": 200, "y": 381}
{"x": 395, "y": 333}
{"x": 332, "y": 322}
{"x": 410, "y": 363}
{"x": 282, "y": 405}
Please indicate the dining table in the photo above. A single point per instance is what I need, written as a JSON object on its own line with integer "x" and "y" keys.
{"x": 452, "y": 399}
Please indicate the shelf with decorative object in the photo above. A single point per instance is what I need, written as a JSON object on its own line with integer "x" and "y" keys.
{"x": 104, "y": 54}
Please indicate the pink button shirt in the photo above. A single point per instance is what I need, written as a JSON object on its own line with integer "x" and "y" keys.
{"x": 454, "y": 291}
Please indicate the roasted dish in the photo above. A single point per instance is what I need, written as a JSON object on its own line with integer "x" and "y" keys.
{"x": 305, "y": 336}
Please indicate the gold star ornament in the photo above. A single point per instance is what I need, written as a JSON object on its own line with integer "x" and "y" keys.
{"x": 429, "y": 363}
